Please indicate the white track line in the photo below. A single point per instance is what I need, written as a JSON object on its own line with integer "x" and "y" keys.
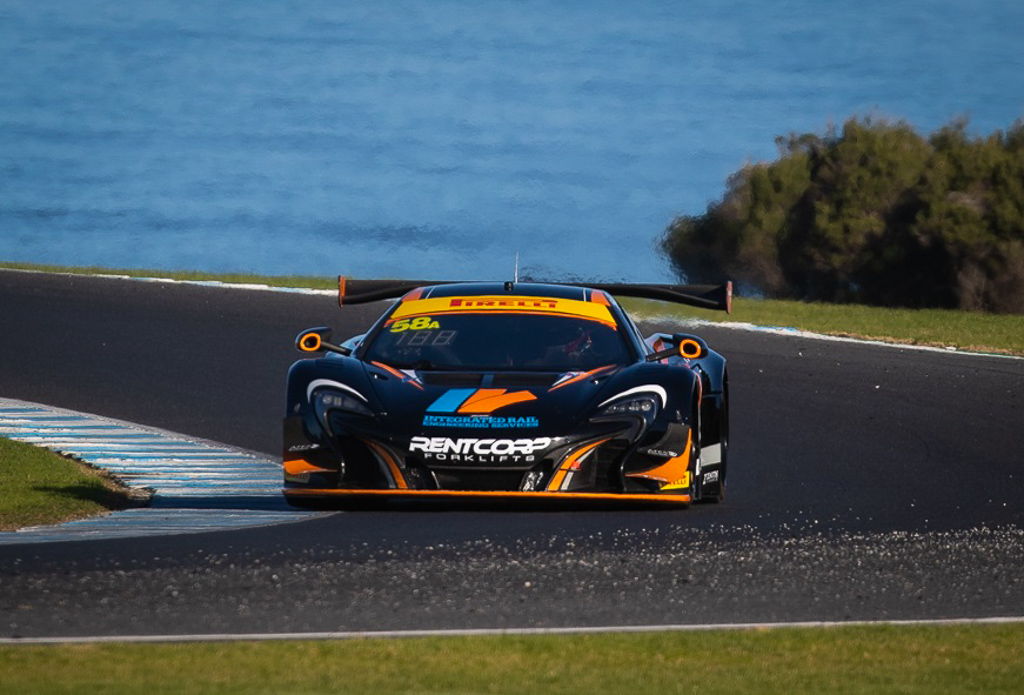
{"x": 252, "y": 287}
{"x": 798, "y": 333}
{"x": 237, "y": 488}
{"x": 523, "y": 631}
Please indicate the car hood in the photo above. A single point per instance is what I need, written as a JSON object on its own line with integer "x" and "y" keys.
{"x": 496, "y": 404}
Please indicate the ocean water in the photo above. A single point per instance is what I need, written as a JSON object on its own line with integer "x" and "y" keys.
{"x": 439, "y": 139}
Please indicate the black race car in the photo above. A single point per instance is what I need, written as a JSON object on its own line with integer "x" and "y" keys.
{"x": 510, "y": 390}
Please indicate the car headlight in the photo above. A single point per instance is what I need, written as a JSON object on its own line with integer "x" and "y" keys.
{"x": 645, "y": 406}
{"x": 326, "y": 400}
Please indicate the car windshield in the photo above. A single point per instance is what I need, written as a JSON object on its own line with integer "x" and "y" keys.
{"x": 497, "y": 342}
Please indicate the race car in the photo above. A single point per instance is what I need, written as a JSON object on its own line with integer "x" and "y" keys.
{"x": 508, "y": 390}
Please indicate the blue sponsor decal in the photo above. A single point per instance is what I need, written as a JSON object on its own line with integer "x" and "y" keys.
{"x": 472, "y": 408}
{"x": 492, "y": 422}
{"x": 450, "y": 401}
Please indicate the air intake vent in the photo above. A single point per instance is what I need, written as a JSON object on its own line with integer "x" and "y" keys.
{"x": 450, "y": 378}
{"x": 479, "y": 480}
{"x": 512, "y": 379}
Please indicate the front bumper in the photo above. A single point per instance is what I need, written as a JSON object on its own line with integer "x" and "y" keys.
{"x": 297, "y": 494}
{"x": 608, "y": 461}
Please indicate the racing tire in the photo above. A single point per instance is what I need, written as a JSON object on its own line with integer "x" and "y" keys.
{"x": 696, "y": 488}
{"x": 716, "y": 491}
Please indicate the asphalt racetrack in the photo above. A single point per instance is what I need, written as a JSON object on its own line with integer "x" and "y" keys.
{"x": 865, "y": 483}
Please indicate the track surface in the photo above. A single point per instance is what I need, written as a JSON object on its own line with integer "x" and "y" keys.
{"x": 865, "y": 482}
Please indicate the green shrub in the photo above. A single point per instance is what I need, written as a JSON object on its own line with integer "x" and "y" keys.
{"x": 871, "y": 213}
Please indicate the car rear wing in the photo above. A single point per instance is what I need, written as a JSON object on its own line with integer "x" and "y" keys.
{"x": 719, "y": 297}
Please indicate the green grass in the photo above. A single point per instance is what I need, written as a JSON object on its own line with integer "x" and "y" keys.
{"x": 964, "y": 330}
{"x": 39, "y": 487}
{"x": 877, "y": 659}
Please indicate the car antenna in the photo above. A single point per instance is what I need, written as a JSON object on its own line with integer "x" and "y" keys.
{"x": 509, "y": 286}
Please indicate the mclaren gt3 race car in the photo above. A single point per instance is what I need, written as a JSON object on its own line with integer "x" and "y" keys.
{"x": 510, "y": 390}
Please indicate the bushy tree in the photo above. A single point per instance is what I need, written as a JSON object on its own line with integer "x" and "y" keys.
{"x": 870, "y": 213}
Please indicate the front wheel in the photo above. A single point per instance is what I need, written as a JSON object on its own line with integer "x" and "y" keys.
{"x": 712, "y": 477}
{"x": 696, "y": 484}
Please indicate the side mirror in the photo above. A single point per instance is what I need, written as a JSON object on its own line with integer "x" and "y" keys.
{"x": 684, "y": 345}
{"x": 317, "y": 340}
{"x": 690, "y": 346}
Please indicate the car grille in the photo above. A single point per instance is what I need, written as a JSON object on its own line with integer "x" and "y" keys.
{"x": 478, "y": 480}
{"x": 450, "y": 378}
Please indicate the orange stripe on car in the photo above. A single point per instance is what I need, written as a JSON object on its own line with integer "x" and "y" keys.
{"x": 610, "y": 324}
{"x": 673, "y": 471}
{"x": 580, "y": 377}
{"x": 401, "y": 375}
{"x": 486, "y": 401}
{"x": 391, "y": 370}
{"x": 300, "y": 466}
{"x": 572, "y": 463}
{"x": 389, "y": 460}
{"x": 504, "y": 304}
{"x": 489, "y": 494}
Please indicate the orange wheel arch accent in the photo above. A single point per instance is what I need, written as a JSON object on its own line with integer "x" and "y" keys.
{"x": 300, "y": 466}
{"x": 671, "y": 470}
{"x": 389, "y": 460}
